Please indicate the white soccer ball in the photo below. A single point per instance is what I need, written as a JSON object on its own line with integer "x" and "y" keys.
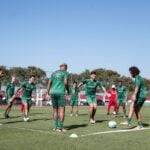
{"x": 112, "y": 124}
{"x": 114, "y": 113}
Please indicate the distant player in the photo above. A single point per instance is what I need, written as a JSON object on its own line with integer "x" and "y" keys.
{"x": 10, "y": 89}
{"x": 112, "y": 99}
{"x": 138, "y": 98}
{"x": 74, "y": 98}
{"x": 121, "y": 97}
{"x": 1, "y": 74}
{"x": 90, "y": 89}
{"x": 57, "y": 86}
{"x": 28, "y": 88}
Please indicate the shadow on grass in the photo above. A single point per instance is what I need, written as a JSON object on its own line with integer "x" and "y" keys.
{"x": 18, "y": 121}
{"x": 146, "y": 125}
{"x": 83, "y": 114}
{"x": 76, "y": 126}
{"x": 101, "y": 121}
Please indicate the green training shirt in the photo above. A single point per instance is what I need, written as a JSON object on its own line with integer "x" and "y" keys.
{"x": 10, "y": 89}
{"x": 28, "y": 89}
{"x": 121, "y": 92}
{"x": 74, "y": 93}
{"x": 57, "y": 79}
{"x": 91, "y": 85}
{"x": 140, "y": 83}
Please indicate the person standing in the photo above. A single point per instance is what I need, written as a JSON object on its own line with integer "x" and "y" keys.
{"x": 10, "y": 89}
{"x": 74, "y": 98}
{"x": 27, "y": 89}
{"x": 90, "y": 89}
{"x": 121, "y": 97}
{"x": 57, "y": 87}
{"x": 1, "y": 74}
{"x": 138, "y": 98}
{"x": 112, "y": 99}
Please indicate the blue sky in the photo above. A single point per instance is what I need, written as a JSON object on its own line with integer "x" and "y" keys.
{"x": 86, "y": 34}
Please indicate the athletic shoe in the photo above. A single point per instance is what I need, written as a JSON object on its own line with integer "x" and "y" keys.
{"x": 1, "y": 124}
{"x": 26, "y": 119}
{"x": 63, "y": 130}
{"x": 108, "y": 113}
{"x": 76, "y": 115}
{"x": 58, "y": 130}
{"x": 6, "y": 115}
{"x": 70, "y": 115}
{"x": 125, "y": 123}
{"x": 92, "y": 121}
{"x": 139, "y": 128}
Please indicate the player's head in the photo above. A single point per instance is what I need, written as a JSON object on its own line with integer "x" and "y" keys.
{"x": 134, "y": 71}
{"x": 1, "y": 71}
{"x": 113, "y": 87}
{"x": 13, "y": 79}
{"x": 74, "y": 83}
{"x": 119, "y": 82}
{"x": 32, "y": 79}
{"x": 93, "y": 75}
{"x": 63, "y": 66}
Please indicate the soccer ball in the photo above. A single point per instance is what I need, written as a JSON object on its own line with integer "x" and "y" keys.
{"x": 112, "y": 124}
{"x": 114, "y": 113}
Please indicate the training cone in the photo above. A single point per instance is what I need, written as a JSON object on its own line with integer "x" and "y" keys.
{"x": 73, "y": 135}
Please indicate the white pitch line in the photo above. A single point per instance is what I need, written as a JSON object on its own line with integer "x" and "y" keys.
{"x": 116, "y": 131}
{"x": 34, "y": 130}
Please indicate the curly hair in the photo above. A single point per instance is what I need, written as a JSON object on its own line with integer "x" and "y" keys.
{"x": 134, "y": 70}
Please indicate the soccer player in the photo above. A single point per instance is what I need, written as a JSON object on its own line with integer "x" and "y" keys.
{"x": 1, "y": 74}
{"x": 10, "y": 89}
{"x": 121, "y": 97}
{"x": 57, "y": 86}
{"x": 90, "y": 88}
{"x": 138, "y": 98}
{"x": 74, "y": 98}
{"x": 28, "y": 88}
{"x": 112, "y": 99}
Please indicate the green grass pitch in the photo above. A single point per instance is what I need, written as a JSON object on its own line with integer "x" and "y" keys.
{"x": 38, "y": 134}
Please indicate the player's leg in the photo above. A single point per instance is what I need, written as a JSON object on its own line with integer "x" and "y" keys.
{"x": 94, "y": 111}
{"x": 137, "y": 108}
{"x": 131, "y": 112}
{"x": 76, "y": 109}
{"x": 91, "y": 107}
{"x": 124, "y": 109}
{"x": 25, "y": 111}
{"x": 61, "y": 112}
{"x": 72, "y": 107}
{"x": 118, "y": 106}
{"x": 22, "y": 108}
{"x": 55, "y": 110}
{"x": 8, "y": 108}
{"x": 108, "y": 107}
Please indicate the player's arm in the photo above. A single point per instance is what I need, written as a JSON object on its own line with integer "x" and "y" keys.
{"x": 49, "y": 83}
{"x": 19, "y": 90}
{"x": 67, "y": 85}
{"x": 133, "y": 97}
{"x": 81, "y": 83}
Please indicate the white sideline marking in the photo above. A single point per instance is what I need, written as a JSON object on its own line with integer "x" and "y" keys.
{"x": 34, "y": 130}
{"x": 116, "y": 131}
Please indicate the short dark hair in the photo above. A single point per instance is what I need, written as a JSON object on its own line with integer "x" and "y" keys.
{"x": 93, "y": 72}
{"x": 134, "y": 70}
{"x": 74, "y": 82}
{"x": 32, "y": 76}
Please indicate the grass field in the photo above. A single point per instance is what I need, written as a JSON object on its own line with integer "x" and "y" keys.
{"x": 38, "y": 134}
